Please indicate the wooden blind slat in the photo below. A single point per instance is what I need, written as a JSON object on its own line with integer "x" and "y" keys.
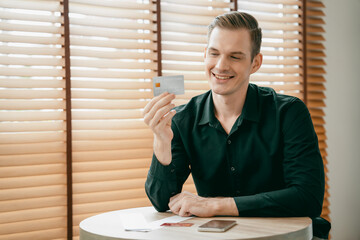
{"x": 31, "y": 105}
{"x": 285, "y": 2}
{"x": 111, "y": 43}
{"x": 114, "y": 54}
{"x": 109, "y": 104}
{"x": 112, "y": 63}
{"x": 109, "y": 12}
{"x": 32, "y": 192}
{"x": 32, "y": 50}
{"x": 110, "y": 175}
{"x": 31, "y": 94}
{"x": 25, "y": 126}
{"x": 111, "y": 165}
{"x": 106, "y": 125}
{"x": 110, "y": 33}
{"x": 32, "y": 214}
{"x": 271, "y": 8}
{"x": 30, "y": 83}
{"x": 24, "y": 16}
{"x": 96, "y": 145}
{"x": 186, "y": 9}
{"x": 51, "y": 5}
{"x": 112, "y": 155}
{"x": 112, "y": 134}
{"x": 185, "y": 18}
{"x": 54, "y": 233}
{"x": 33, "y": 181}
{"x": 31, "y": 28}
{"x": 205, "y": 3}
{"x": 30, "y": 148}
{"x": 31, "y": 138}
{"x": 124, "y": 4}
{"x": 98, "y": 186}
{"x": 43, "y": 224}
{"x": 30, "y": 159}
{"x": 5, "y": 37}
{"x": 108, "y": 73}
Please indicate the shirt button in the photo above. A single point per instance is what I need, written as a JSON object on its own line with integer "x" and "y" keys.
{"x": 232, "y": 169}
{"x": 229, "y": 142}
{"x": 172, "y": 170}
{"x": 238, "y": 192}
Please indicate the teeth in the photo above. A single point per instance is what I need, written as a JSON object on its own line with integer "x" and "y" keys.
{"x": 222, "y": 78}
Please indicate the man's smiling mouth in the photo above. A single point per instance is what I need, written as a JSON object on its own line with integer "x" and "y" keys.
{"x": 222, "y": 77}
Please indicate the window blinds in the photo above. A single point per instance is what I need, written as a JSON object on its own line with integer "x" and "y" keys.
{"x": 113, "y": 56}
{"x": 32, "y": 121}
{"x": 315, "y": 80}
{"x": 281, "y": 46}
{"x": 112, "y": 47}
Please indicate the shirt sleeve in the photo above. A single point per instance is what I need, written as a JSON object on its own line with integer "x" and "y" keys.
{"x": 303, "y": 172}
{"x": 162, "y": 181}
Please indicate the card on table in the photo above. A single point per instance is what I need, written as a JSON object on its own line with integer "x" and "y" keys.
{"x": 170, "y": 84}
{"x": 177, "y": 224}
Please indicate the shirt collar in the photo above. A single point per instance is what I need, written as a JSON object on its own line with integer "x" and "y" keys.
{"x": 250, "y": 111}
{"x": 208, "y": 115}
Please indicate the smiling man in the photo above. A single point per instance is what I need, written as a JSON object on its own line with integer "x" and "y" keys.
{"x": 251, "y": 151}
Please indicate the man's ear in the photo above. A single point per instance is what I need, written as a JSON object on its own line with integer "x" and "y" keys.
{"x": 205, "y": 52}
{"x": 256, "y": 63}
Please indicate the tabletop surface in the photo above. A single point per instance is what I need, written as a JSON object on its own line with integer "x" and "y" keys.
{"x": 108, "y": 226}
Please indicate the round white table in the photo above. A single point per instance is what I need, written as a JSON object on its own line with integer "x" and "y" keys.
{"x": 108, "y": 226}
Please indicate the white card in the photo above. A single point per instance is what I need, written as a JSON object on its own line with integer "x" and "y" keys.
{"x": 170, "y": 84}
{"x": 136, "y": 222}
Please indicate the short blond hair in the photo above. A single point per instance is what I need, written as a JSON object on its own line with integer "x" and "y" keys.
{"x": 239, "y": 20}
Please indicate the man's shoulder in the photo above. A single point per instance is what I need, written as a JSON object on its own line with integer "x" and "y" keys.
{"x": 283, "y": 101}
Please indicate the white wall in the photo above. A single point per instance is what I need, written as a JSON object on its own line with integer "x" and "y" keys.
{"x": 343, "y": 115}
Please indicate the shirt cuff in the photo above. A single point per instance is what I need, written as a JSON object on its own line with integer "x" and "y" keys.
{"x": 247, "y": 204}
{"x": 162, "y": 172}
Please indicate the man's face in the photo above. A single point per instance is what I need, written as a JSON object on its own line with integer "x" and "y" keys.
{"x": 228, "y": 60}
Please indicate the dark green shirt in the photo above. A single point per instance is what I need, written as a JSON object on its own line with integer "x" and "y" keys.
{"x": 269, "y": 163}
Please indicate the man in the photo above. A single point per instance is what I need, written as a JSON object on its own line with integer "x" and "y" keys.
{"x": 251, "y": 151}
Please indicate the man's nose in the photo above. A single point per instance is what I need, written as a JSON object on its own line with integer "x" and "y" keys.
{"x": 222, "y": 63}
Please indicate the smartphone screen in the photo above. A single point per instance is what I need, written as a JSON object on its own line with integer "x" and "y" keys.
{"x": 216, "y": 226}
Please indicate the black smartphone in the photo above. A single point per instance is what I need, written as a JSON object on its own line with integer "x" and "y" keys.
{"x": 216, "y": 226}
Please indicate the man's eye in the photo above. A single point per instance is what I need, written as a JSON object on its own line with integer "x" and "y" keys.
{"x": 214, "y": 54}
{"x": 236, "y": 58}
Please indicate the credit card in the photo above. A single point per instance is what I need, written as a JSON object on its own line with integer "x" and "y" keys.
{"x": 170, "y": 84}
{"x": 177, "y": 224}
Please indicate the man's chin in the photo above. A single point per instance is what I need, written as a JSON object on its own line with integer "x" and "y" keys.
{"x": 220, "y": 91}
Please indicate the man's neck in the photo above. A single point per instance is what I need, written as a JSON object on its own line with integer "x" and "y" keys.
{"x": 228, "y": 108}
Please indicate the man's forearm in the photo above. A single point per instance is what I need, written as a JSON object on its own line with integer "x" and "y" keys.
{"x": 225, "y": 207}
{"x": 289, "y": 202}
{"x": 162, "y": 151}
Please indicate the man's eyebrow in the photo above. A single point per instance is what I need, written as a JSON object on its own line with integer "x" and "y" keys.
{"x": 212, "y": 49}
{"x": 237, "y": 52}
